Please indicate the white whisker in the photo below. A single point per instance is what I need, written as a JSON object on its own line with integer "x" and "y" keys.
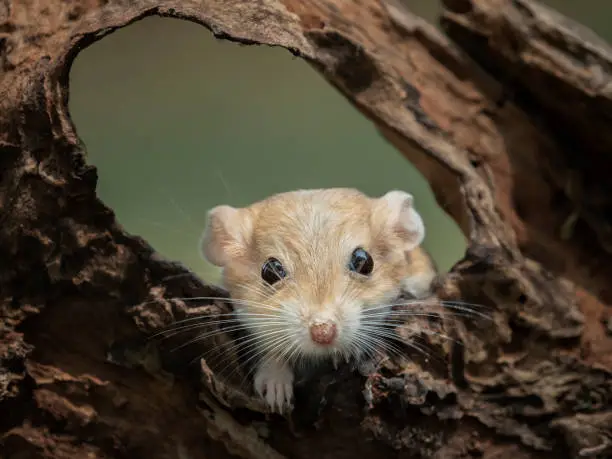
{"x": 266, "y": 349}
{"x": 207, "y": 298}
{"x": 250, "y": 343}
{"x": 177, "y": 330}
{"x": 213, "y": 318}
{"x": 395, "y": 337}
{"x": 415, "y": 330}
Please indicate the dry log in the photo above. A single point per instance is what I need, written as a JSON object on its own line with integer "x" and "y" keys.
{"x": 508, "y": 125}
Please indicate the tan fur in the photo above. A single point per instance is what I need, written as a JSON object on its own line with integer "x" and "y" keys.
{"x": 313, "y": 234}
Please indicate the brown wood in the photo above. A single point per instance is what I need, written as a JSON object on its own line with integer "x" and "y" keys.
{"x": 510, "y": 125}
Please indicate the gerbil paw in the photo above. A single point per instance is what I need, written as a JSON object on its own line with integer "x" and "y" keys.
{"x": 274, "y": 383}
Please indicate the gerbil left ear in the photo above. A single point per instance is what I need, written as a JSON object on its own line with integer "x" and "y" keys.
{"x": 402, "y": 218}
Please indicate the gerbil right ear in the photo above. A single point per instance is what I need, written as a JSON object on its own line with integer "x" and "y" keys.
{"x": 396, "y": 208}
{"x": 225, "y": 235}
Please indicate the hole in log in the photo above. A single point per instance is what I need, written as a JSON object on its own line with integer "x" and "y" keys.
{"x": 228, "y": 128}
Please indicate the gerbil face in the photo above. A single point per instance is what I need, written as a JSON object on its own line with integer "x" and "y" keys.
{"x": 311, "y": 272}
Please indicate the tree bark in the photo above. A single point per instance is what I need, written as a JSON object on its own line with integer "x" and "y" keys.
{"x": 510, "y": 125}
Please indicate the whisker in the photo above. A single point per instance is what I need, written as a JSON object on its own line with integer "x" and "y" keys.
{"x": 377, "y": 344}
{"x": 371, "y": 335}
{"x": 265, "y": 350}
{"x": 174, "y": 332}
{"x": 457, "y": 310}
{"x": 208, "y": 318}
{"x": 196, "y": 275}
{"x": 236, "y": 343}
{"x": 401, "y": 314}
{"x": 249, "y": 342}
{"x": 404, "y": 318}
{"x": 289, "y": 355}
{"x": 472, "y": 307}
{"x": 360, "y": 345}
{"x": 223, "y": 182}
{"x": 246, "y": 303}
{"x": 178, "y": 208}
{"x": 202, "y": 337}
{"x": 455, "y": 307}
{"x": 167, "y": 333}
{"x": 420, "y": 330}
{"x": 241, "y": 302}
{"x": 264, "y": 291}
{"x": 409, "y": 343}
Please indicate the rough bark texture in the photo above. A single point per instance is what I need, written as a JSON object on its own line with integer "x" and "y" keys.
{"x": 511, "y": 126}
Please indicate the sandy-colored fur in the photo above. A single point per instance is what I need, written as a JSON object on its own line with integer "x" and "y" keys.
{"x": 313, "y": 234}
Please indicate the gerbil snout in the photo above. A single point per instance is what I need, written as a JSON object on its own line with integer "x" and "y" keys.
{"x": 323, "y": 332}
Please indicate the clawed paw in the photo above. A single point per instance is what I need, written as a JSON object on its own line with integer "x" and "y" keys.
{"x": 274, "y": 383}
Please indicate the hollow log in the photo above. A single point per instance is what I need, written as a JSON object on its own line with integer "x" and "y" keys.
{"x": 508, "y": 119}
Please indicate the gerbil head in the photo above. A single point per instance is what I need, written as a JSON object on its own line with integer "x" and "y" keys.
{"x": 312, "y": 272}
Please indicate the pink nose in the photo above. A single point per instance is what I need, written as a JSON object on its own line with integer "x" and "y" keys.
{"x": 323, "y": 332}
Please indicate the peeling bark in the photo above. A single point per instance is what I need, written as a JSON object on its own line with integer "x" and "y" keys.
{"x": 508, "y": 124}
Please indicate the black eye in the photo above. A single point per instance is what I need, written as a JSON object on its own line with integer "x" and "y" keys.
{"x": 272, "y": 271}
{"x": 361, "y": 262}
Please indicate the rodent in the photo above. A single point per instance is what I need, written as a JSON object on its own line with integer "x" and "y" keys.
{"x": 304, "y": 268}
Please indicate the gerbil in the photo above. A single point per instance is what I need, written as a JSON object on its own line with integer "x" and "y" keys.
{"x": 313, "y": 272}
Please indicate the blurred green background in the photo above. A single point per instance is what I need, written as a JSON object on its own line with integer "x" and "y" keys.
{"x": 177, "y": 122}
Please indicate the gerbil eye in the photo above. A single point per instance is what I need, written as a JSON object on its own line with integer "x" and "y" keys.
{"x": 361, "y": 262}
{"x": 272, "y": 271}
